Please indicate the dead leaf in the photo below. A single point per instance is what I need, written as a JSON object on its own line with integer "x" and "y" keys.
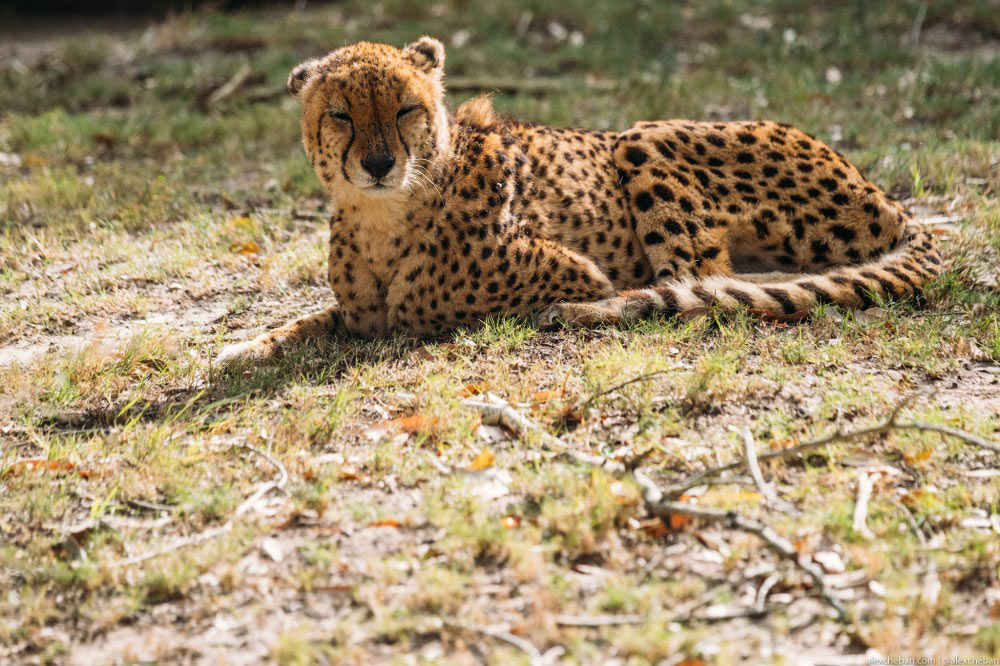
{"x": 351, "y": 474}
{"x": 385, "y": 523}
{"x": 542, "y": 397}
{"x": 31, "y": 160}
{"x": 482, "y": 461}
{"x": 678, "y": 521}
{"x": 510, "y": 522}
{"x": 411, "y": 424}
{"x": 40, "y": 464}
{"x": 407, "y": 424}
{"x": 654, "y": 527}
{"x": 470, "y": 390}
{"x": 922, "y": 456}
{"x": 249, "y": 247}
{"x": 914, "y": 497}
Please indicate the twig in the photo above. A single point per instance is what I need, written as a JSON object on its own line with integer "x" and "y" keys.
{"x": 766, "y": 490}
{"x": 764, "y": 589}
{"x": 918, "y": 23}
{"x": 496, "y": 411}
{"x": 641, "y": 378}
{"x": 150, "y": 506}
{"x": 685, "y": 610}
{"x": 912, "y": 522}
{"x": 597, "y": 620}
{"x": 866, "y": 484}
{"x": 229, "y": 88}
{"x": 505, "y": 636}
{"x": 663, "y": 508}
{"x": 244, "y": 506}
{"x": 836, "y": 437}
{"x": 967, "y": 437}
{"x": 440, "y": 466}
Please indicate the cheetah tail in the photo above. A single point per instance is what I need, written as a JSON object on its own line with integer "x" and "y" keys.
{"x": 897, "y": 275}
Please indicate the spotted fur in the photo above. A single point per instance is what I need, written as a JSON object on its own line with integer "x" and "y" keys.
{"x": 442, "y": 220}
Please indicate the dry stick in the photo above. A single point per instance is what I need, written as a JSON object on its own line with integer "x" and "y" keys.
{"x": 766, "y": 490}
{"x": 835, "y": 437}
{"x": 496, "y": 411}
{"x": 230, "y": 87}
{"x": 505, "y": 636}
{"x": 687, "y": 609}
{"x": 866, "y": 484}
{"x": 244, "y": 506}
{"x": 763, "y": 591}
{"x": 679, "y": 614}
{"x": 597, "y": 620}
{"x": 641, "y": 378}
{"x": 912, "y": 522}
{"x": 663, "y": 508}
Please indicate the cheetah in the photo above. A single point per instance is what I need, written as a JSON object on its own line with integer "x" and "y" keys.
{"x": 444, "y": 219}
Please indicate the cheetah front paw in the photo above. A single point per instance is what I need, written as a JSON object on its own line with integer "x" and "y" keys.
{"x": 550, "y": 317}
{"x": 581, "y": 315}
{"x": 242, "y": 352}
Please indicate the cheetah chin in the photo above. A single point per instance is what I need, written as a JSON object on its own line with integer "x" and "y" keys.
{"x": 480, "y": 215}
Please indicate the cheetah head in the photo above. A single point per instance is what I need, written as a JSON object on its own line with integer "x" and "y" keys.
{"x": 374, "y": 118}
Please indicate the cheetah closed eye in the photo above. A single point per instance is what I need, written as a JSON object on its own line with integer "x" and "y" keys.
{"x": 444, "y": 219}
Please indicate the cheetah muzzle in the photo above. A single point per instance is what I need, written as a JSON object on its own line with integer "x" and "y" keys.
{"x": 441, "y": 220}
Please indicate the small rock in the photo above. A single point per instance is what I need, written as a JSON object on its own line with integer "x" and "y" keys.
{"x": 272, "y": 548}
{"x": 830, "y": 561}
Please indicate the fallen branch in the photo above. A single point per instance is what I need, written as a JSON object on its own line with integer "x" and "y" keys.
{"x": 836, "y": 437}
{"x": 227, "y": 89}
{"x": 641, "y": 378}
{"x": 664, "y": 508}
{"x": 763, "y": 591}
{"x": 496, "y": 411}
{"x": 866, "y": 484}
{"x": 597, "y": 620}
{"x": 525, "y": 646}
{"x": 247, "y": 504}
{"x": 766, "y": 490}
{"x": 912, "y": 522}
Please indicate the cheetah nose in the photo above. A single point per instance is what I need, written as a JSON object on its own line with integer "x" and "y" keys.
{"x": 378, "y": 164}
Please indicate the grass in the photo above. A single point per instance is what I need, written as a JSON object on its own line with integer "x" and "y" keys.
{"x": 140, "y": 229}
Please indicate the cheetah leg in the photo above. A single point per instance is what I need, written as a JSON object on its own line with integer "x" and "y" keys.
{"x": 325, "y": 322}
{"x": 624, "y": 306}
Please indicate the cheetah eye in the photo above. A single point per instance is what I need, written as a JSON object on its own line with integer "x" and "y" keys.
{"x": 340, "y": 116}
{"x": 405, "y": 110}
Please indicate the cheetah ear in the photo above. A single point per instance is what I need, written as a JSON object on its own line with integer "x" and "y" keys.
{"x": 301, "y": 74}
{"x": 426, "y": 54}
